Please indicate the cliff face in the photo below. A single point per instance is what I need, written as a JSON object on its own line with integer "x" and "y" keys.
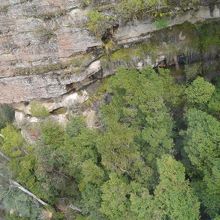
{"x": 46, "y": 50}
{"x": 37, "y": 42}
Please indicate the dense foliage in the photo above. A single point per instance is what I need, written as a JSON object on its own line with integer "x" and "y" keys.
{"x": 155, "y": 155}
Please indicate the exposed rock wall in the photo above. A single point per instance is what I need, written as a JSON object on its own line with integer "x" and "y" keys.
{"x": 46, "y": 50}
{"x": 44, "y": 86}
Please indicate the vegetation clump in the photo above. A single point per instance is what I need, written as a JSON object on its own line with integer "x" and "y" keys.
{"x": 6, "y": 115}
{"x": 136, "y": 9}
{"x": 99, "y": 18}
{"x": 38, "y": 110}
{"x": 98, "y": 23}
{"x": 161, "y": 23}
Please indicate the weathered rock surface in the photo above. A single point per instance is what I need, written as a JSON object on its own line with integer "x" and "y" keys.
{"x": 39, "y": 40}
{"x": 44, "y": 86}
{"x": 140, "y": 30}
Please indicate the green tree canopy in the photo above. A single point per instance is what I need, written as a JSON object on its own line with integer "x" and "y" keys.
{"x": 201, "y": 140}
{"x": 208, "y": 190}
{"x": 199, "y": 91}
{"x": 174, "y": 197}
{"x": 139, "y": 103}
{"x": 115, "y": 202}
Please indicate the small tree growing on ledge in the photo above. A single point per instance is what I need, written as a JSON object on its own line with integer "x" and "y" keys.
{"x": 97, "y": 23}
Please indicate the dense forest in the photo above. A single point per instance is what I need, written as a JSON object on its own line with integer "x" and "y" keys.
{"x": 151, "y": 69}
{"x": 154, "y": 154}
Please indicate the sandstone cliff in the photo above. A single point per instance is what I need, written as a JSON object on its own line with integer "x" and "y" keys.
{"x": 46, "y": 50}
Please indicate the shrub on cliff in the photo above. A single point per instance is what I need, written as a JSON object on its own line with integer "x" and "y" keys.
{"x": 38, "y": 110}
{"x": 98, "y": 22}
{"x": 13, "y": 142}
{"x": 134, "y": 9}
{"x": 6, "y": 115}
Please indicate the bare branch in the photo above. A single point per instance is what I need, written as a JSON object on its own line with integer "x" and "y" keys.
{"x": 17, "y": 185}
{"x": 74, "y": 208}
{"x": 4, "y": 156}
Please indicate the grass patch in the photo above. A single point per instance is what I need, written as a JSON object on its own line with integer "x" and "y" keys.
{"x": 161, "y": 23}
{"x": 38, "y": 110}
{"x": 138, "y": 51}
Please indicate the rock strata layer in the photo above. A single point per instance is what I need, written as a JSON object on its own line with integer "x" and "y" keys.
{"x": 46, "y": 50}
